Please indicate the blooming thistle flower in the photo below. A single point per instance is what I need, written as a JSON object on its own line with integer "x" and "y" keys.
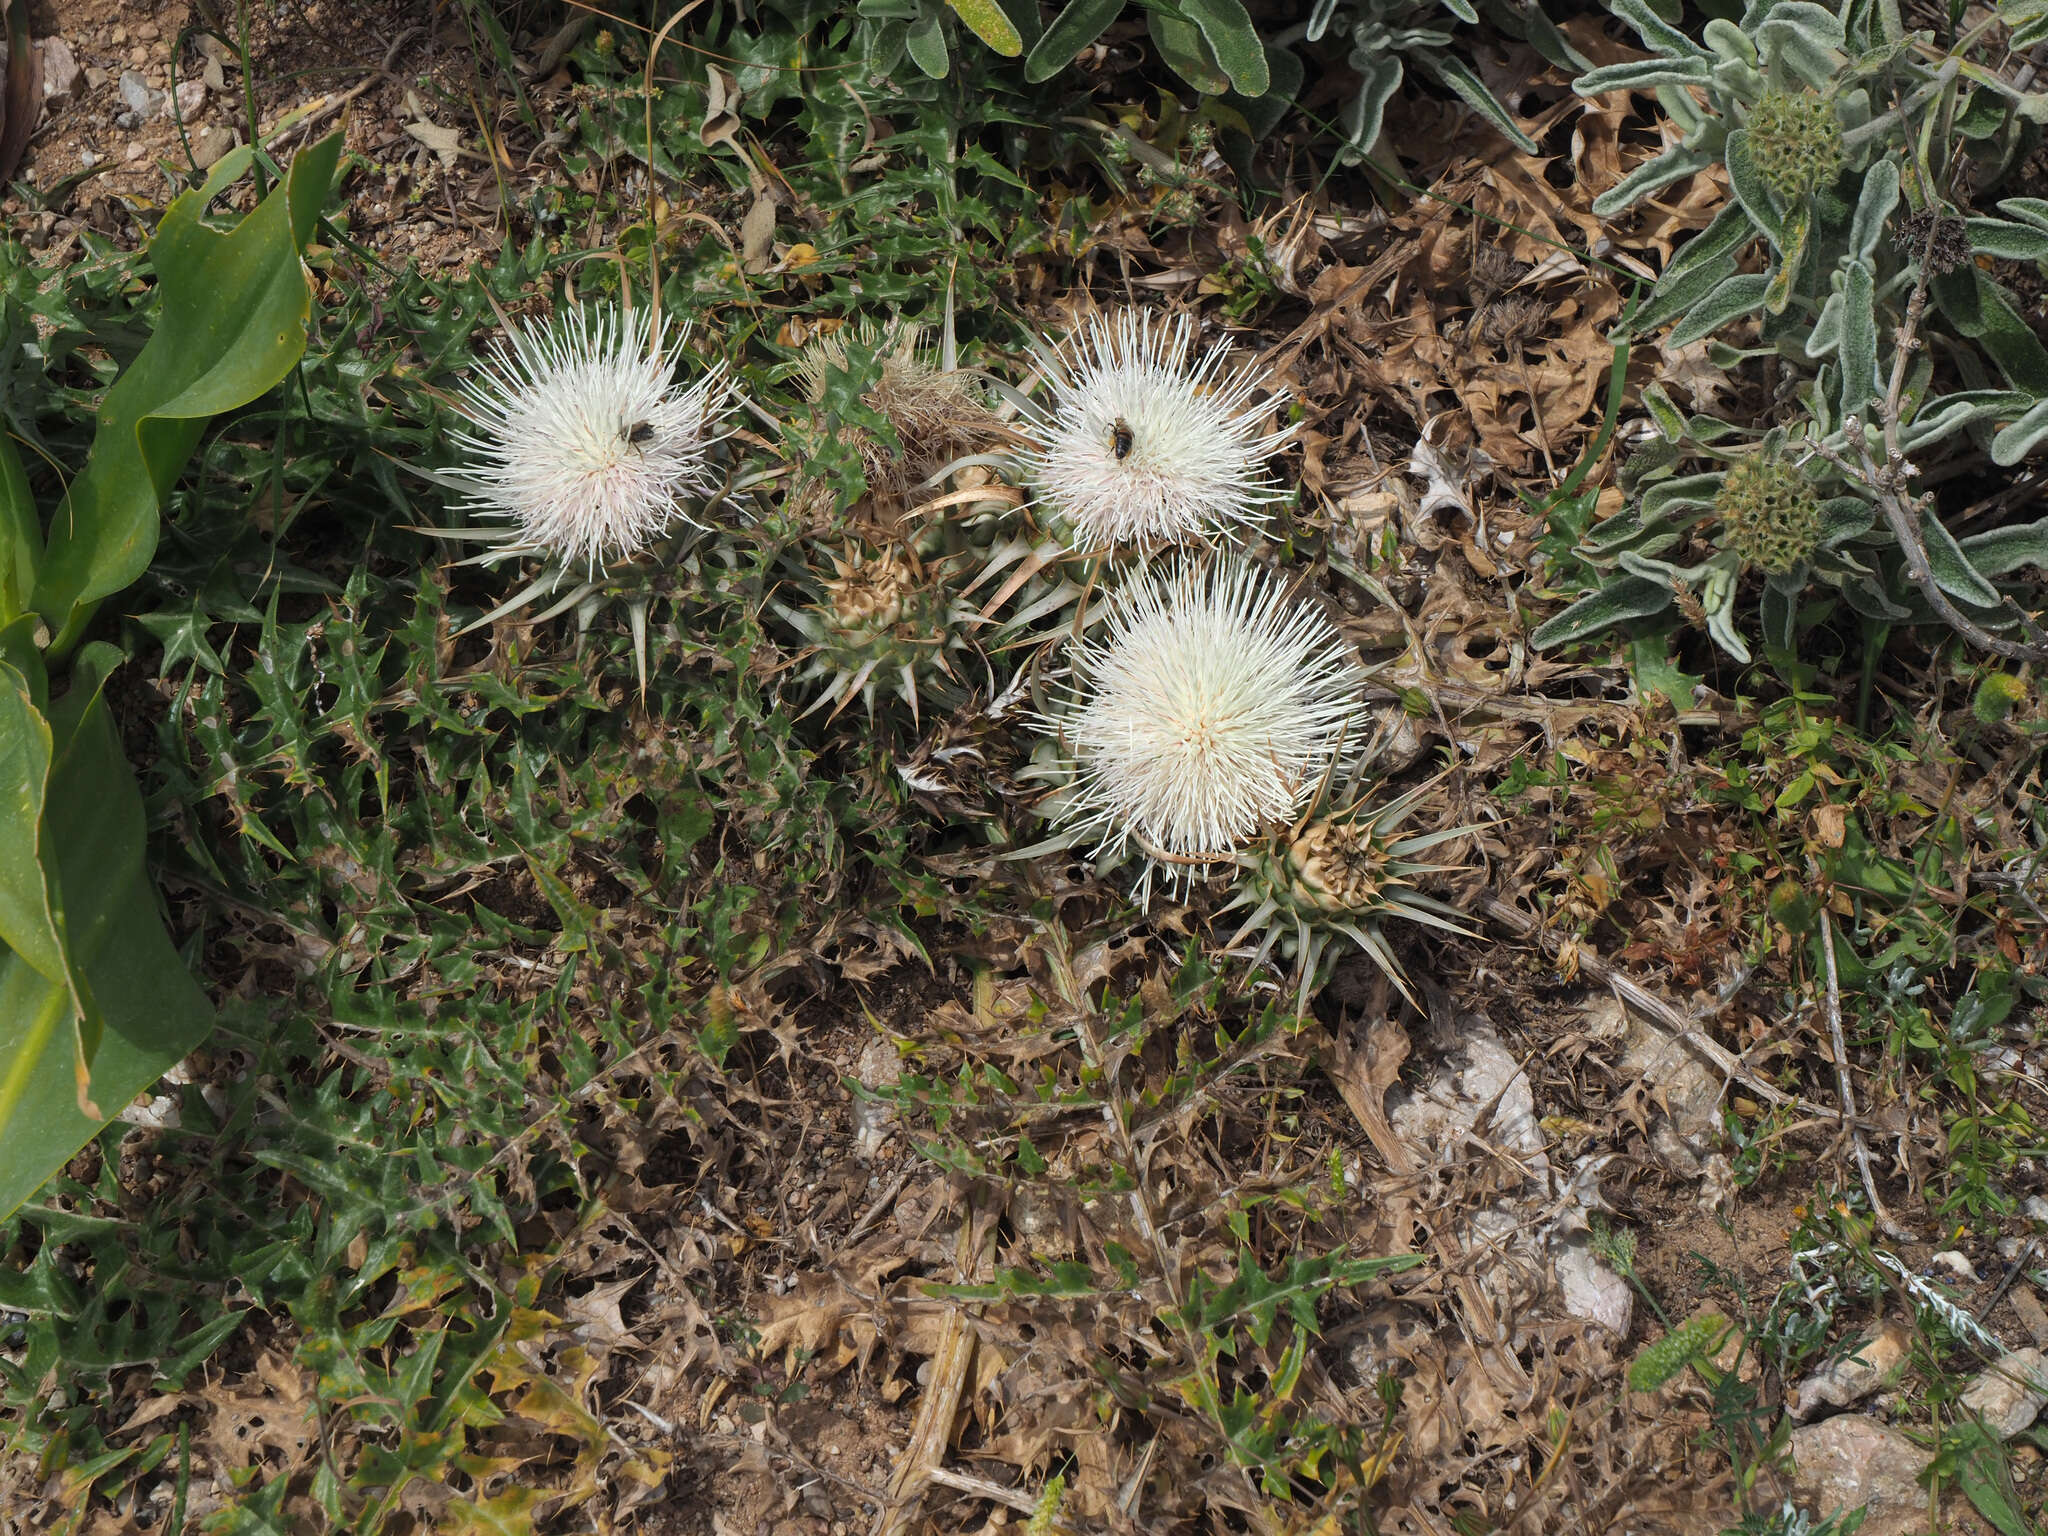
{"x": 1212, "y": 706}
{"x": 582, "y": 439}
{"x": 1142, "y": 443}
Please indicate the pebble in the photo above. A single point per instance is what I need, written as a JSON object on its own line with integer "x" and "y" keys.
{"x": 61, "y": 73}
{"x": 120, "y": 36}
{"x": 1852, "y": 1376}
{"x": 135, "y": 92}
{"x": 1851, "y": 1462}
{"x": 2011, "y": 1394}
{"x": 191, "y": 98}
{"x": 211, "y": 144}
{"x": 135, "y": 151}
{"x": 95, "y": 77}
{"x": 87, "y": 159}
{"x": 2036, "y": 1210}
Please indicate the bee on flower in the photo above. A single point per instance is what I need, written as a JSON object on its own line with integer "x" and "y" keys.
{"x": 582, "y": 442}
{"x": 1142, "y": 442}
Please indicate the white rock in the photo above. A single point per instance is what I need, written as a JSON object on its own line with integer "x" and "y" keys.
{"x": 137, "y": 96}
{"x": 191, "y": 98}
{"x": 1854, "y": 1376}
{"x": 1850, "y": 1462}
{"x": 1956, "y": 1264}
{"x": 873, "y": 1119}
{"x": 61, "y": 74}
{"x": 1594, "y": 1292}
{"x": 2011, "y": 1394}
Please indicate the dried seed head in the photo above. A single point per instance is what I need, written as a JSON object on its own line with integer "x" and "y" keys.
{"x": 1213, "y": 705}
{"x": 1142, "y": 443}
{"x": 1795, "y": 142}
{"x": 580, "y": 437}
{"x": 1769, "y": 514}
{"x": 1335, "y": 865}
{"x": 867, "y": 599}
{"x": 1949, "y": 247}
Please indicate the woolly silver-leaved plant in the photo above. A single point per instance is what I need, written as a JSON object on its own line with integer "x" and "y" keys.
{"x": 582, "y": 440}
{"x": 1211, "y": 705}
{"x": 1143, "y": 443}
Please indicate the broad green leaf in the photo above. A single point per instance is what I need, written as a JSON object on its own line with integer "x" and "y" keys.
{"x": 1379, "y": 77}
{"x": 1187, "y": 52}
{"x": 2005, "y": 550}
{"x": 1454, "y": 73}
{"x": 232, "y": 324}
{"x": 2029, "y": 210}
{"x": 1946, "y": 414}
{"x": 1951, "y": 568}
{"x": 1859, "y": 338}
{"x": 1285, "y": 73}
{"x": 1655, "y": 31}
{"x": 154, "y": 1012}
{"x": 1803, "y": 38}
{"x": 1631, "y": 597}
{"x": 987, "y": 21}
{"x": 926, "y": 43}
{"x": 1234, "y": 41}
{"x": 31, "y": 921}
{"x": 2008, "y": 241}
{"x": 1749, "y": 189}
{"x": 2016, "y": 441}
{"x": 1688, "y": 493}
{"x": 1880, "y": 195}
{"x": 1977, "y": 307}
{"x": 1740, "y": 295}
{"x": 1641, "y": 75}
{"x": 1798, "y": 227}
{"x": 1676, "y": 162}
{"x": 21, "y": 537}
{"x": 1073, "y": 29}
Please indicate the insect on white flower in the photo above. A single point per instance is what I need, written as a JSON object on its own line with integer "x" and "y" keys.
{"x": 583, "y": 440}
{"x": 1140, "y": 443}
{"x": 1211, "y": 706}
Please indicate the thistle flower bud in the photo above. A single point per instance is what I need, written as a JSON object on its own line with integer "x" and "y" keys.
{"x": 1770, "y": 516}
{"x": 1142, "y": 443}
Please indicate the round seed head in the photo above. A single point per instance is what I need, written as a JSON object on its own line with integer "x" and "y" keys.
{"x": 1795, "y": 142}
{"x": 581, "y": 438}
{"x": 1335, "y": 865}
{"x": 1769, "y": 514}
{"x": 1212, "y": 705}
{"x": 1142, "y": 443}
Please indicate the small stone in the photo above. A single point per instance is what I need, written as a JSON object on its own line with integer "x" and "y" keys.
{"x": 96, "y": 78}
{"x": 1956, "y": 1264}
{"x": 1850, "y": 1462}
{"x": 134, "y": 152}
{"x": 139, "y": 55}
{"x": 1851, "y": 1377}
{"x": 135, "y": 92}
{"x": 148, "y": 31}
{"x": 211, "y": 144}
{"x": 120, "y": 36}
{"x": 2036, "y": 1210}
{"x": 87, "y": 159}
{"x": 2010, "y": 1395}
{"x": 61, "y": 73}
{"x": 126, "y": 120}
{"x": 191, "y": 98}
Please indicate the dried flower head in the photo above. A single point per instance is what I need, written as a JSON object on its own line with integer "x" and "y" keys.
{"x": 1795, "y": 142}
{"x": 1212, "y": 705}
{"x": 1942, "y": 237}
{"x": 581, "y": 438}
{"x": 1342, "y": 874}
{"x": 1141, "y": 443}
{"x": 1770, "y": 516}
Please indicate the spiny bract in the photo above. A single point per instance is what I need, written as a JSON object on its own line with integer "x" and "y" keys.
{"x": 1212, "y": 705}
{"x": 1770, "y": 516}
{"x": 583, "y": 441}
{"x": 1141, "y": 444}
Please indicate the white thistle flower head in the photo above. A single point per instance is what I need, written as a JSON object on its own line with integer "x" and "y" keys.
{"x": 1211, "y": 706}
{"x": 583, "y": 440}
{"x": 1141, "y": 443}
